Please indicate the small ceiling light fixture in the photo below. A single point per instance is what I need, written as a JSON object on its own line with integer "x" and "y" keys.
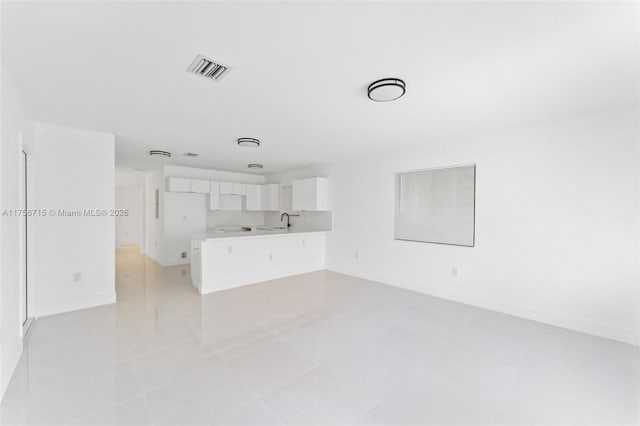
{"x": 255, "y": 166}
{"x": 190, "y": 154}
{"x": 252, "y": 142}
{"x": 386, "y": 89}
{"x": 161, "y": 154}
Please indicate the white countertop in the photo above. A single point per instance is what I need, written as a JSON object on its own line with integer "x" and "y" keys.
{"x": 253, "y": 234}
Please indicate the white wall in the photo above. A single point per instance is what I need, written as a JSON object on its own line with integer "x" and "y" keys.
{"x": 15, "y": 126}
{"x": 72, "y": 169}
{"x": 556, "y": 223}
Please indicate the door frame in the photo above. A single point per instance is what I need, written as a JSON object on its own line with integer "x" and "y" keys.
{"x": 27, "y": 311}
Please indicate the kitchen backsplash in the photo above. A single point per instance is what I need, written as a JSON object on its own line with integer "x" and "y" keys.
{"x": 216, "y": 219}
{"x": 311, "y": 221}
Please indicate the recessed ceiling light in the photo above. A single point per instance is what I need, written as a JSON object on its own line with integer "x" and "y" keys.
{"x": 255, "y": 166}
{"x": 252, "y": 142}
{"x": 386, "y": 89}
{"x": 190, "y": 154}
{"x": 161, "y": 154}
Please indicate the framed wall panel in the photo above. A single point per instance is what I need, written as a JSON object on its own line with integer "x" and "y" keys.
{"x": 436, "y": 205}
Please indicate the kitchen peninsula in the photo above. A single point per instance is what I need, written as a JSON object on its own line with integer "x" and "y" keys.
{"x": 220, "y": 261}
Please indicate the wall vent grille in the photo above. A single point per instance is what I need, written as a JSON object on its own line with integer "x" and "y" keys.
{"x": 208, "y": 69}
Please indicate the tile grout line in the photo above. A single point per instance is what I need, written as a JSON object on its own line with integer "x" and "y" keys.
{"x": 142, "y": 392}
{"x": 405, "y": 376}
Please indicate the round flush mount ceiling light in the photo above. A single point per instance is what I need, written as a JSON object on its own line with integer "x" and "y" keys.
{"x": 250, "y": 142}
{"x": 160, "y": 154}
{"x": 255, "y": 166}
{"x": 386, "y": 89}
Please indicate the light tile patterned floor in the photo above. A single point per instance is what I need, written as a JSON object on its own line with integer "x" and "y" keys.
{"x": 314, "y": 349}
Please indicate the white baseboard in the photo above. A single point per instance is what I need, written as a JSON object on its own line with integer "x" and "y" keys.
{"x": 52, "y": 308}
{"x": 546, "y": 317}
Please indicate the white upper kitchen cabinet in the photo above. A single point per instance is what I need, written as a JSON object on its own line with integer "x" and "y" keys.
{"x": 177, "y": 184}
{"x": 254, "y": 196}
{"x": 214, "y": 196}
{"x": 310, "y": 194}
{"x": 270, "y": 197}
{"x": 226, "y": 188}
{"x": 230, "y": 188}
{"x": 240, "y": 189}
{"x": 200, "y": 186}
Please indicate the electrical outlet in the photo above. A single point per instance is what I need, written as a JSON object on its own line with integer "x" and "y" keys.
{"x": 454, "y": 271}
{"x": 230, "y": 249}
{"x": 303, "y": 241}
{"x": 270, "y": 256}
{"x": 357, "y": 255}
{"x": 77, "y": 277}
{"x": 183, "y": 255}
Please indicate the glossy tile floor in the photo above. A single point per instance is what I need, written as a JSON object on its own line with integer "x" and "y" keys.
{"x": 314, "y": 349}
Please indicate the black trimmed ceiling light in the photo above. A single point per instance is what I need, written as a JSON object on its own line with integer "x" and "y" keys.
{"x": 250, "y": 142}
{"x": 255, "y": 166}
{"x": 160, "y": 154}
{"x": 386, "y": 89}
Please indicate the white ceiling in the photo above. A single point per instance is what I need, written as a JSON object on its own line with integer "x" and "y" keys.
{"x": 301, "y": 71}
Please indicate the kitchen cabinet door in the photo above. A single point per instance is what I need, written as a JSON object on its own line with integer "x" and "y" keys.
{"x": 309, "y": 194}
{"x": 200, "y": 186}
{"x": 226, "y": 188}
{"x": 240, "y": 189}
{"x": 270, "y": 197}
{"x": 177, "y": 184}
{"x": 214, "y": 196}
{"x": 253, "y": 201}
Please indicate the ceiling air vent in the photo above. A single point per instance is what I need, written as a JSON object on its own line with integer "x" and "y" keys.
{"x": 208, "y": 69}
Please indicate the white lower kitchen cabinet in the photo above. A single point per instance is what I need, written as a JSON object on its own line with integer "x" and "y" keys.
{"x": 223, "y": 263}
{"x": 196, "y": 262}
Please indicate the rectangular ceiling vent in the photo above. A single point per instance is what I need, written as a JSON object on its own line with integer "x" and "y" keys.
{"x": 208, "y": 69}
